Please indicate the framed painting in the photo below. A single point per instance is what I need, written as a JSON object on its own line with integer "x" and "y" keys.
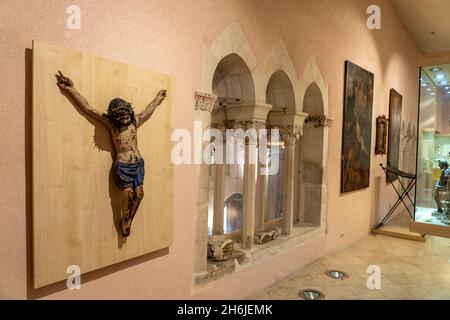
{"x": 381, "y": 135}
{"x": 395, "y": 123}
{"x": 357, "y": 128}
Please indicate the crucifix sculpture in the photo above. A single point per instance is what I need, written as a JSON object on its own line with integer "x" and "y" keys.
{"x": 122, "y": 124}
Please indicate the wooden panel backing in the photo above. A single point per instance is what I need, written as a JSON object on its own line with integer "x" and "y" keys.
{"x": 402, "y": 232}
{"x": 76, "y": 204}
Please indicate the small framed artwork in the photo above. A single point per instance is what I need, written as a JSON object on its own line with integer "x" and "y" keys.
{"x": 395, "y": 123}
{"x": 381, "y": 135}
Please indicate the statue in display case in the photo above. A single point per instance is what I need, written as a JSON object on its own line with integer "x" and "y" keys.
{"x": 122, "y": 124}
{"x": 442, "y": 186}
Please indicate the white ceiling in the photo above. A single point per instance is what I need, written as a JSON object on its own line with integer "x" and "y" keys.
{"x": 428, "y": 22}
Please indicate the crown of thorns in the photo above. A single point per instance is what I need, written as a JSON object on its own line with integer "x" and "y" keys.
{"x": 119, "y": 107}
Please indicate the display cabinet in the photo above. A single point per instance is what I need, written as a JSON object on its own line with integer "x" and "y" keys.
{"x": 432, "y": 198}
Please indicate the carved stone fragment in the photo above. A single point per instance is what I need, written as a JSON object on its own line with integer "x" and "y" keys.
{"x": 220, "y": 248}
{"x": 267, "y": 234}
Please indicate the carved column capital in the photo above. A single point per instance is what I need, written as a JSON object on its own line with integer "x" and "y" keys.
{"x": 204, "y": 101}
{"x": 319, "y": 121}
{"x": 290, "y": 134}
{"x": 222, "y": 129}
{"x": 251, "y": 124}
{"x": 218, "y": 126}
{"x": 223, "y": 126}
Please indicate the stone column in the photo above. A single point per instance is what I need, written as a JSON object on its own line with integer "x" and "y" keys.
{"x": 219, "y": 188}
{"x": 204, "y": 103}
{"x": 261, "y": 198}
{"x": 290, "y": 136}
{"x": 246, "y": 116}
{"x": 219, "y": 199}
{"x": 261, "y": 191}
{"x": 248, "y": 223}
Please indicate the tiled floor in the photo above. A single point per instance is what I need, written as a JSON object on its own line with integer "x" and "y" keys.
{"x": 409, "y": 270}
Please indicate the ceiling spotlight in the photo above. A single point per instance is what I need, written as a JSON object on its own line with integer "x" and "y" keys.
{"x": 440, "y": 76}
{"x": 435, "y": 69}
{"x": 424, "y": 84}
{"x": 446, "y": 88}
{"x": 432, "y": 93}
{"x": 444, "y": 82}
{"x": 429, "y": 89}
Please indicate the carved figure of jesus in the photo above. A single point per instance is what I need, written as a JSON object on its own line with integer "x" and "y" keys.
{"x": 122, "y": 124}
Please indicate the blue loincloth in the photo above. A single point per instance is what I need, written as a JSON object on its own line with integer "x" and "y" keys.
{"x": 129, "y": 174}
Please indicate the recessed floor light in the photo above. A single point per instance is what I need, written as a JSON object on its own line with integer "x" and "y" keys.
{"x": 311, "y": 294}
{"x": 336, "y": 274}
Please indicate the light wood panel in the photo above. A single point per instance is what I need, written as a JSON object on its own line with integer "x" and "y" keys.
{"x": 75, "y": 201}
{"x": 402, "y": 232}
{"x": 430, "y": 229}
{"x": 433, "y": 59}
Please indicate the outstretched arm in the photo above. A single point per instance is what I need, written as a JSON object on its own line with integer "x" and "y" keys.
{"x": 67, "y": 86}
{"x": 151, "y": 107}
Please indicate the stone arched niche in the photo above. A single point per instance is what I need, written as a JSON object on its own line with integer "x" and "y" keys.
{"x": 233, "y": 82}
{"x": 230, "y": 70}
{"x": 277, "y": 62}
{"x": 309, "y": 160}
{"x": 280, "y": 93}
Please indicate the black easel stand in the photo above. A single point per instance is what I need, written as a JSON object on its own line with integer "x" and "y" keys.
{"x": 401, "y": 196}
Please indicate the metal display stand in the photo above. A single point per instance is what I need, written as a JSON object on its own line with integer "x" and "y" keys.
{"x": 402, "y": 195}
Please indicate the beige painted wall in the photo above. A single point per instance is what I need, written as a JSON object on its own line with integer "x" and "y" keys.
{"x": 168, "y": 37}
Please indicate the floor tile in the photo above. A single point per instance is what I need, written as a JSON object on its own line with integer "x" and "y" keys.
{"x": 409, "y": 270}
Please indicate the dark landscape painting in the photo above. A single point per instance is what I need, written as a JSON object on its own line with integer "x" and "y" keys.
{"x": 357, "y": 128}
{"x": 395, "y": 123}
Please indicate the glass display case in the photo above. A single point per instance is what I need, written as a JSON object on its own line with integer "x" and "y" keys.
{"x": 432, "y": 201}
